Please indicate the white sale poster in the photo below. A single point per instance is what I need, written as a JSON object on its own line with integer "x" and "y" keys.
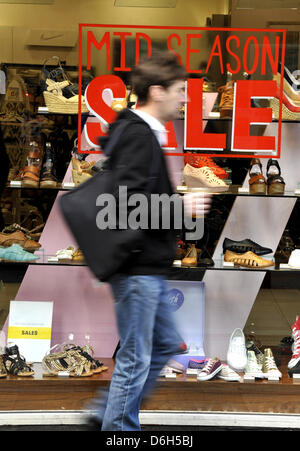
{"x": 29, "y": 327}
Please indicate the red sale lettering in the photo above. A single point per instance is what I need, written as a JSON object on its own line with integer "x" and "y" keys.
{"x": 267, "y": 50}
{"x": 122, "y": 35}
{"x": 244, "y": 115}
{"x": 171, "y": 142}
{"x": 256, "y": 52}
{"x": 137, "y": 46}
{"x": 189, "y": 51}
{"x": 92, "y": 40}
{"x": 229, "y": 50}
{"x": 256, "y": 55}
{"x": 177, "y": 37}
{"x": 194, "y": 136}
{"x": 98, "y": 107}
{"x": 216, "y": 51}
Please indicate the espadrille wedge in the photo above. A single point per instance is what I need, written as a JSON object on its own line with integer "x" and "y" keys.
{"x": 57, "y": 103}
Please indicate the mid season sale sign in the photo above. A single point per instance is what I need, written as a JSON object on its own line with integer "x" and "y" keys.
{"x": 110, "y": 52}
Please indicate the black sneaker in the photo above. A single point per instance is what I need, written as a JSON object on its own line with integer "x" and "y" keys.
{"x": 239, "y": 247}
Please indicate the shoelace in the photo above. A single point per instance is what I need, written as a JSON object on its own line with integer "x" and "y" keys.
{"x": 296, "y": 344}
{"x": 270, "y": 363}
{"x": 208, "y": 366}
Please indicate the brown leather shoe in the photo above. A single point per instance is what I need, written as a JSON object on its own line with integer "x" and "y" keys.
{"x": 18, "y": 237}
{"x": 247, "y": 260}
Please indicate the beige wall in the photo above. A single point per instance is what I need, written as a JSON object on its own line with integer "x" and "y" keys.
{"x": 18, "y": 19}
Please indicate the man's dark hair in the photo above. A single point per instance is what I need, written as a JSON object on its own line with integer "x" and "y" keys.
{"x": 162, "y": 69}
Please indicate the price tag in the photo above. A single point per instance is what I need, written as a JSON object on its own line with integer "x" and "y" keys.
{"x": 191, "y": 371}
{"x": 170, "y": 375}
{"x": 68, "y": 185}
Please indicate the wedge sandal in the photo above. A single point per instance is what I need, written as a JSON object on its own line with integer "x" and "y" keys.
{"x": 257, "y": 182}
{"x": 247, "y": 260}
{"x": 275, "y": 183}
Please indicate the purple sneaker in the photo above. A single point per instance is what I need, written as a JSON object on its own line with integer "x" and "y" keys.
{"x": 213, "y": 367}
{"x": 197, "y": 364}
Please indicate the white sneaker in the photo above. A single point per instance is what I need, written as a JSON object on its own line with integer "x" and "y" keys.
{"x": 228, "y": 374}
{"x": 237, "y": 352}
{"x": 252, "y": 368}
{"x": 294, "y": 260}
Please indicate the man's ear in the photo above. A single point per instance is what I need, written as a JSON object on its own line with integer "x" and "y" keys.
{"x": 156, "y": 93}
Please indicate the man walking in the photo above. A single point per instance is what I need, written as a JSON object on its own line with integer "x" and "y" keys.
{"x": 147, "y": 333}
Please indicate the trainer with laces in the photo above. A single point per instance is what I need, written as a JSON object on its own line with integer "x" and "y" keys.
{"x": 211, "y": 369}
{"x": 269, "y": 366}
{"x": 252, "y": 368}
{"x": 237, "y": 352}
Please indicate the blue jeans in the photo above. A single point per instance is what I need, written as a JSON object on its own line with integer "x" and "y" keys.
{"x": 148, "y": 338}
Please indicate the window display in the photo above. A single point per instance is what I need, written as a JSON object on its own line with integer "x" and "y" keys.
{"x": 248, "y": 257}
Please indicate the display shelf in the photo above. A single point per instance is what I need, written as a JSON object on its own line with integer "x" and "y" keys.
{"x": 184, "y": 393}
{"x": 236, "y": 190}
{"x": 65, "y": 186}
{"x": 175, "y": 269}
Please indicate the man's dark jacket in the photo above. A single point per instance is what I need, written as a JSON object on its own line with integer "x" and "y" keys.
{"x": 130, "y": 162}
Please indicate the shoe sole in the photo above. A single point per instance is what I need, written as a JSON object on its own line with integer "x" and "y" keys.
{"x": 209, "y": 376}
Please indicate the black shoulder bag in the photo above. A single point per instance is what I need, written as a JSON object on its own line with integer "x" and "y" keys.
{"x": 104, "y": 250}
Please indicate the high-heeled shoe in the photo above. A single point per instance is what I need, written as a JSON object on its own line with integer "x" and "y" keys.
{"x": 289, "y": 77}
{"x": 257, "y": 182}
{"x": 199, "y": 161}
{"x": 288, "y": 89}
{"x": 275, "y": 183}
{"x": 290, "y": 110}
{"x": 203, "y": 178}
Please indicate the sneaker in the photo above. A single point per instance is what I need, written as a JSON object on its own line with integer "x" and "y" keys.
{"x": 228, "y": 374}
{"x": 250, "y": 345}
{"x": 294, "y": 260}
{"x": 295, "y": 369}
{"x": 269, "y": 366}
{"x": 296, "y": 345}
{"x": 237, "y": 352}
{"x": 213, "y": 367}
{"x": 197, "y": 364}
{"x": 252, "y": 368}
{"x": 16, "y": 253}
{"x": 176, "y": 366}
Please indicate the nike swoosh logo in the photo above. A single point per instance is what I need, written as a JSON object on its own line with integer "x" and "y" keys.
{"x": 47, "y": 38}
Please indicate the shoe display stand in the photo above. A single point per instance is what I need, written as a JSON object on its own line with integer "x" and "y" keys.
{"x": 83, "y": 305}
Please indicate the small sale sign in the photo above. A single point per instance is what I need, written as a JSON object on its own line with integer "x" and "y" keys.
{"x": 259, "y": 53}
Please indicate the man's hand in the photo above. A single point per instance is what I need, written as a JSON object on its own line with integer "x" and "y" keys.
{"x": 197, "y": 204}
